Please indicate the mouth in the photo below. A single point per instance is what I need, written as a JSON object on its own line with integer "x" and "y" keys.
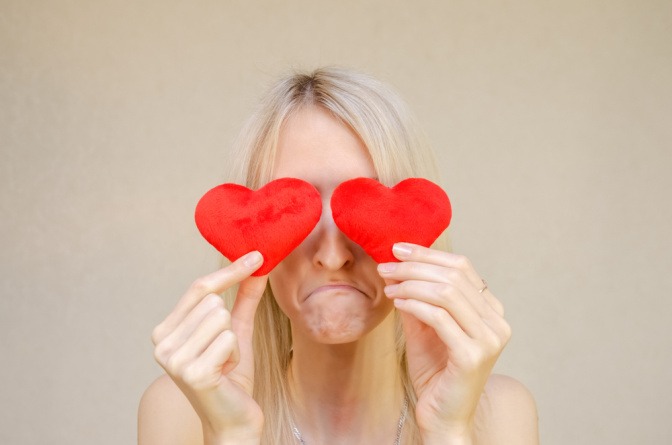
{"x": 335, "y": 288}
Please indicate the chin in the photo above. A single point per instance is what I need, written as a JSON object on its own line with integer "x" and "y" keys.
{"x": 338, "y": 331}
{"x": 343, "y": 325}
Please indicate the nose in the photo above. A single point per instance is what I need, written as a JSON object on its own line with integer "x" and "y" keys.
{"x": 333, "y": 250}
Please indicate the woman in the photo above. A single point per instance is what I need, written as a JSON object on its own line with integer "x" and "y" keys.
{"x": 330, "y": 347}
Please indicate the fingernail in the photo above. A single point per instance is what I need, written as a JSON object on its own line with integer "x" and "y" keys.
{"x": 399, "y": 302}
{"x": 401, "y": 250}
{"x": 252, "y": 259}
{"x": 387, "y": 267}
{"x": 391, "y": 289}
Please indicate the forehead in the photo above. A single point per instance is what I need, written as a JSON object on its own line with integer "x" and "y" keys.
{"x": 315, "y": 146}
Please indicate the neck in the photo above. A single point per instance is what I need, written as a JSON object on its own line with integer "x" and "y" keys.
{"x": 347, "y": 393}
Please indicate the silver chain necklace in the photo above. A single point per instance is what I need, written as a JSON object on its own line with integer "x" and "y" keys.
{"x": 400, "y": 426}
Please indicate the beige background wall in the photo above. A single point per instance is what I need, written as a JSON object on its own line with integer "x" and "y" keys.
{"x": 552, "y": 120}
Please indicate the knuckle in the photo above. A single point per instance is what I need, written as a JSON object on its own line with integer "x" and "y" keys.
{"x": 446, "y": 292}
{"x": 409, "y": 268}
{"x": 506, "y": 331}
{"x": 213, "y": 300}
{"x": 157, "y": 334}
{"x": 229, "y": 337}
{"x": 403, "y": 287}
{"x": 201, "y": 285}
{"x": 494, "y": 342}
{"x": 176, "y": 364}
{"x": 497, "y": 338}
{"x": 462, "y": 262}
{"x": 221, "y": 318}
{"x": 437, "y": 315}
{"x": 474, "y": 357}
{"x": 158, "y": 356}
{"x": 498, "y": 307}
{"x": 162, "y": 352}
{"x": 454, "y": 275}
{"x": 193, "y": 375}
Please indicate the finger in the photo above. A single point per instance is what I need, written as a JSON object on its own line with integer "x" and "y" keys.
{"x": 491, "y": 315}
{"x": 217, "y": 321}
{"x": 174, "y": 340}
{"x": 418, "y": 271}
{"x": 483, "y": 303}
{"x": 408, "y": 252}
{"x": 414, "y": 270}
{"x": 445, "y": 326}
{"x": 423, "y": 341}
{"x": 218, "y": 281}
{"x": 462, "y": 350}
{"x": 215, "y": 282}
{"x": 219, "y": 358}
{"x": 494, "y": 303}
{"x": 247, "y": 300}
{"x": 414, "y": 252}
{"x": 501, "y": 328}
{"x": 444, "y": 296}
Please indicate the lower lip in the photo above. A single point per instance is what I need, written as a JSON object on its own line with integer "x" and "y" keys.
{"x": 335, "y": 287}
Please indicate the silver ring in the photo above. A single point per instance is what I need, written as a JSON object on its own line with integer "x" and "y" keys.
{"x": 485, "y": 286}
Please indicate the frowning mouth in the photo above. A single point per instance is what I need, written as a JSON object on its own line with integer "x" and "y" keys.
{"x": 335, "y": 288}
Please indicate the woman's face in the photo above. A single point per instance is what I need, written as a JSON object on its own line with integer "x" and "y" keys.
{"x": 328, "y": 286}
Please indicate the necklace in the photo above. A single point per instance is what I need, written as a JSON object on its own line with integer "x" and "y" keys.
{"x": 400, "y": 426}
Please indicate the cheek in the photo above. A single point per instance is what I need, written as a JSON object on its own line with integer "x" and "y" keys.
{"x": 279, "y": 283}
{"x": 285, "y": 277}
{"x": 369, "y": 269}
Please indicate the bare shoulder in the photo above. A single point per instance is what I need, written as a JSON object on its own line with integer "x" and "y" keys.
{"x": 166, "y": 417}
{"x": 507, "y": 414}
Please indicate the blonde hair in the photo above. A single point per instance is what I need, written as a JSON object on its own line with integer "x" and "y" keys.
{"x": 382, "y": 121}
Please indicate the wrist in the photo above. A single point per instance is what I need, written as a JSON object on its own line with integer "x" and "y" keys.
{"x": 239, "y": 438}
{"x": 464, "y": 437}
{"x": 447, "y": 440}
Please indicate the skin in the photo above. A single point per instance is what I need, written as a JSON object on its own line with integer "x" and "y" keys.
{"x": 343, "y": 363}
{"x": 343, "y": 373}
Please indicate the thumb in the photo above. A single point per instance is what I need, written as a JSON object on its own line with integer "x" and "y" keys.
{"x": 249, "y": 295}
{"x": 411, "y": 325}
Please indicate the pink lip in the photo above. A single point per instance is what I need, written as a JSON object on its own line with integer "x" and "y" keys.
{"x": 330, "y": 287}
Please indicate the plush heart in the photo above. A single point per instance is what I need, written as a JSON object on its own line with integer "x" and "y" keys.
{"x": 273, "y": 220}
{"x": 375, "y": 216}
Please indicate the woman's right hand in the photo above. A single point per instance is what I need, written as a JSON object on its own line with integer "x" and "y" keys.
{"x": 207, "y": 351}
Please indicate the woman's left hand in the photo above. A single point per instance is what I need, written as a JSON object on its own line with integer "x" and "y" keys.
{"x": 455, "y": 331}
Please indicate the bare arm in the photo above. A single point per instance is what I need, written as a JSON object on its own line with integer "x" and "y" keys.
{"x": 206, "y": 351}
{"x": 165, "y": 416}
{"x": 507, "y": 414}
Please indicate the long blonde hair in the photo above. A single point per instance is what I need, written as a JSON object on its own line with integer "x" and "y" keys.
{"x": 382, "y": 121}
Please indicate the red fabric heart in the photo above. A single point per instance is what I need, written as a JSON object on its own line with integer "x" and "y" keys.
{"x": 273, "y": 220}
{"x": 375, "y": 216}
